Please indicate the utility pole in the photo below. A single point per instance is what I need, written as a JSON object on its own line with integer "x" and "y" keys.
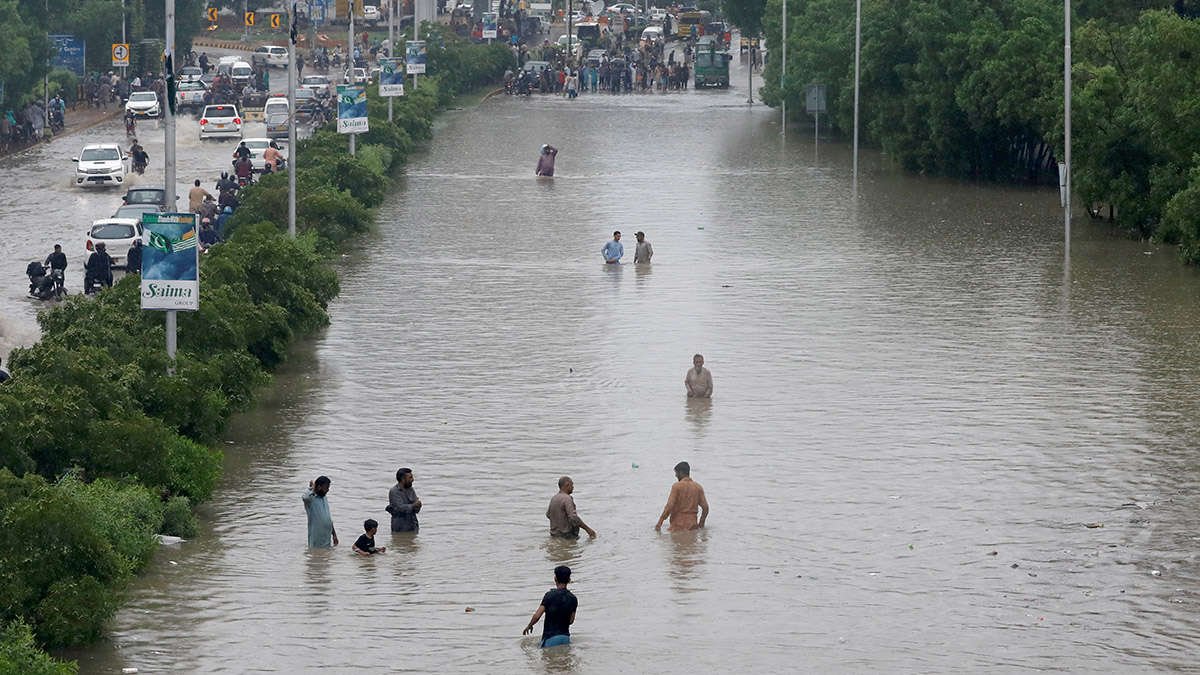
{"x": 169, "y": 182}
{"x": 391, "y": 44}
{"x": 783, "y": 74}
{"x": 857, "y": 49}
{"x": 292, "y": 154}
{"x": 353, "y": 63}
{"x": 123, "y": 40}
{"x": 1065, "y": 179}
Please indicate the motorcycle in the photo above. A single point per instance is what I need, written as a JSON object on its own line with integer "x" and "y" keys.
{"x": 130, "y": 127}
{"x": 139, "y": 165}
{"x": 45, "y": 286}
{"x": 56, "y": 121}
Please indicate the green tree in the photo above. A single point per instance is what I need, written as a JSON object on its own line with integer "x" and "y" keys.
{"x": 746, "y": 15}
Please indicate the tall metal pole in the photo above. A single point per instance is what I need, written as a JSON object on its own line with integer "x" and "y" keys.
{"x": 1067, "y": 125}
{"x": 391, "y": 44}
{"x": 749, "y": 73}
{"x": 292, "y": 154}
{"x": 353, "y": 63}
{"x": 169, "y": 182}
{"x": 123, "y": 40}
{"x": 783, "y": 74}
{"x": 570, "y": 23}
{"x": 857, "y": 50}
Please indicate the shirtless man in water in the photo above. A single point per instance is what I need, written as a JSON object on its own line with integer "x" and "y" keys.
{"x": 686, "y": 498}
{"x": 545, "y": 165}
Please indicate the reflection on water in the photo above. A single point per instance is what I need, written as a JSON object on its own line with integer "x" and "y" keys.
{"x": 911, "y": 431}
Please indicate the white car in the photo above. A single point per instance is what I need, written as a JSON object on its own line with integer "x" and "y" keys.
{"x": 143, "y": 104}
{"x": 371, "y": 13}
{"x": 563, "y": 39}
{"x": 624, "y": 7}
{"x": 101, "y": 164}
{"x": 272, "y": 55}
{"x": 317, "y": 84}
{"x": 657, "y": 15}
{"x": 190, "y": 95}
{"x": 652, "y": 35}
{"x": 277, "y": 103}
{"x": 229, "y": 60}
{"x": 257, "y": 147}
{"x": 190, "y": 74}
{"x": 240, "y": 73}
{"x": 220, "y": 121}
{"x": 356, "y": 76}
{"x": 118, "y": 235}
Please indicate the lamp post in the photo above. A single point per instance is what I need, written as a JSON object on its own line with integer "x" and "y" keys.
{"x": 350, "y": 57}
{"x": 857, "y": 50}
{"x": 292, "y": 154}
{"x": 169, "y": 182}
{"x": 783, "y": 74}
{"x": 1065, "y": 170}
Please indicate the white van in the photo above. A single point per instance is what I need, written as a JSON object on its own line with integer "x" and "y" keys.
{"x": 652, "y": 35}
{"x": 241, "y": 72}
{"x": 275, "y": 104}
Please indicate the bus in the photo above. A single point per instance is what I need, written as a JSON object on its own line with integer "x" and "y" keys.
{"x": 697, "y": 18}
{"x": 711, "y": 65}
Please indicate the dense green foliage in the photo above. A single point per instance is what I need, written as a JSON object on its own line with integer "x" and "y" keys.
{"x": 100, "y": 449}
{"x": 975, "y": 89}
{"x": 19, "y": 654}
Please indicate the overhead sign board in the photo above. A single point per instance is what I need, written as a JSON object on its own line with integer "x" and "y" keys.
{"x": 316, "y": 13}
{"x": 120, "y": 54}
{"x": 171, "y": 262}
{"x": 70, "y": 53}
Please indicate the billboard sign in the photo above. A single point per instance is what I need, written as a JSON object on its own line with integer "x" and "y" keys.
{"x": 69, "y": 54}
{"x": 352, "y": 109}
{"x": 170, "y": 262}
{"x": 415, "y": 51}
{"x": 391, "y": 76}
{"x": 489, "y": 25}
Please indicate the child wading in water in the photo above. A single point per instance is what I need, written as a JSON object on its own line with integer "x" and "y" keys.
{"x": 366, "y": 542}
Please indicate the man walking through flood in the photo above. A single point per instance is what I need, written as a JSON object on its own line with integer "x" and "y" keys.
{"x": 320, "y": 522}
{"x": 403, "y": 503}
{"x": 545, "y": 165}
{"x": 687, "y": 496}
{"x": 564, "y": 520}
{"x": 613, "y": 250}
{"x": 644, "y": 250}
{"x": 559, "y": 605}
{"x": 698, "y": 380}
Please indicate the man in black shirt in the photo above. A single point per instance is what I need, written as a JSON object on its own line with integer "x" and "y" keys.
{"x": 558, "y": 604}
{"x": 58, "y": 259}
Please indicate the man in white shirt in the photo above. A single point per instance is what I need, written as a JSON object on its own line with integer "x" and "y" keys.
{"x": 644, "y": 250}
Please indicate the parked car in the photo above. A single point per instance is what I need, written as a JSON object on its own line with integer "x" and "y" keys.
{"x": 220, "y": 121}
{"x": 270, "y": 55}
{"x": 144, "y": 194}
{"x": 319, "y": 84}
{"x": 189, "y": 74}
{"x": 143, "y": 104}
{"x": 118, "y": 235}
{"x": 101, "y": 164}
{"x": 277, "y": 124}
{"x": 190, "y": 95}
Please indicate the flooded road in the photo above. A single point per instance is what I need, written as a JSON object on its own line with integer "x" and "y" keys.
{"x": 917, "y": 415}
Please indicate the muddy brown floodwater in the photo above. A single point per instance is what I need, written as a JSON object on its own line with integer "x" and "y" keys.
{"x": 917, "y": 414}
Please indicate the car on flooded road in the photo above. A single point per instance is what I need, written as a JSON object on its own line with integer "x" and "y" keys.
{"x": 143, "y": 104}
{"x": 146, "y": 195}
{"x": 101, "y": 164}
{"x": 277, "y": 125}
{"x": 117, "y": 234}
{"x": 220, "y": 121}
{"x": 317, "y": 84}
{"x": 190, "y": 95}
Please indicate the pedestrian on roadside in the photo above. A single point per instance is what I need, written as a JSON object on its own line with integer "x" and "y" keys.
{"x": 403, "y": 503}
{"x": 365, "y": 545}
{"x": 613, "y": 250}
{"x": 196, "y": 197}
{"x": 558, "y": 605}
{"x": 644, "y": 250}
{"x": 564, "y": 520}
{"x": 698, "y": 381}
{"x": 316, "y": 507}
{"x": 686, "y": 498}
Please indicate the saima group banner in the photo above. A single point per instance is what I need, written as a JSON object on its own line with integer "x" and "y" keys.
{"x": 352, "y": 109}
{"x": 415, "y": 51}
{"x": 170, "y": 262}
{"x": 391, "y": 76}
{"x": 489, "y": 25}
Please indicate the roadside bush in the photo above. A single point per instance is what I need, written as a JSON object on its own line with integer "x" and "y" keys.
{"x": 74, "y": 611}
{"x": 19, "y": 654}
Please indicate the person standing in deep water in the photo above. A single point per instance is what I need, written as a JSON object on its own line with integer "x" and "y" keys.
{"x": 564, "y": 521}
{"x": 698, "y": 380}
{"x": 559, "y": 605}
{"x": 320, "y": 522}
{"x": 403, "y": 503}
{"x": 613, "y": 250}
{"x": 545, "y": 165}
{"x": 644, "y": 250}
{"x": 686, "y": 498}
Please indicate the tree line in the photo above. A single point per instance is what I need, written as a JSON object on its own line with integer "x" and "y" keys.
{"x": 974, "y": 89}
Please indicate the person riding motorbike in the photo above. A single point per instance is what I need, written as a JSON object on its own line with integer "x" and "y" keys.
{"x": 244, "y": 171}
{"x": 140, "y": 159}
{"x": 57, "y": 262}
{"x": 40, "y": 285}
{"x": 241, "y": 151}
{"x": 97, "y": 269}
{"x": 273, "y": 156}
{"x": 133, "y": 259}
{"x": 130, "y": 124}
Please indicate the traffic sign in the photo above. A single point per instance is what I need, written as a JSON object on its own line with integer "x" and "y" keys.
{"x": 249, "y": 18}
{"x": 274, "y": 21}
{"x": 212, "y": 15}
{"x": 120, "y": 54}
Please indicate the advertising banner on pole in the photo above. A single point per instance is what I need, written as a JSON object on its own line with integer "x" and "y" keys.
{"x": 69, "y": 53}
{"x": 352, "y": 109}
{"x": 415, "y": 51}
{"x": 391, "y": 76}
{"x": 489, "y": 25}
{"x": 170, "y": 262}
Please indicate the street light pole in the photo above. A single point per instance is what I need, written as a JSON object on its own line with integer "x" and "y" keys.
{"x": 783, "y": 74}
{"x": 391, "y": 44}
{"x": 292, "y": 154}
{"x": 123, "y": 40}
{"x": 350, "y": 57}
{"x": 1066, "y": 178}
{"x": 857, "y": 50}
{"x": 169, "y": 182}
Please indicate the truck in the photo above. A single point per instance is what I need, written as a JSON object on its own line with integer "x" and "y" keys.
{"x": 711, "y": 66}
{"x": 338, "y": 11}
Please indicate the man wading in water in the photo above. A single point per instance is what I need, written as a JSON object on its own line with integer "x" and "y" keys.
{"x": 564, "y": 521}
{"x": 545, "y": 165}
{"x": 320, "y": 523}
{"x": 686, "y": 498}
{"x": 559, "y": 605}
{"x": 403, "y": 503}
{"x": 698, "y": 380}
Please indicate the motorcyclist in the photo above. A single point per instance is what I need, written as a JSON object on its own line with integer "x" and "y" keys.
{"x": 140, "y": 159}
{"x": 133, "y": 259}
{"x": 98, "y": 268}
{"x": 130, "y": 123}
{"x": 40, "y": 285}
{"x": 228, "y": 198}
{"x": 243, "y": 169}
{"x": 57, "y": 260}
{"x": 273, "y": 156}
{"x": 241, "y": 151}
